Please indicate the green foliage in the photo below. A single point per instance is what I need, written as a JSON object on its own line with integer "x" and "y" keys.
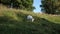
{"x": 21, "y": 4}
{"x": 51, "y": 6}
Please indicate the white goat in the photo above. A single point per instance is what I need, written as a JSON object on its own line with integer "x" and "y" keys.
{"x": 30, "y": 18}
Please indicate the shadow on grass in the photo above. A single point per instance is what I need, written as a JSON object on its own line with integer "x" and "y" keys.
{"x": 39, "y": 26}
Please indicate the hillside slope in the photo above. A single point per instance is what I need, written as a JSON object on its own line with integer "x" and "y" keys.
{"x": 13, "y": 21}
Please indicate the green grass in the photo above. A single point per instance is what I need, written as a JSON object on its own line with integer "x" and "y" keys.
{"x": 14, "y": 21}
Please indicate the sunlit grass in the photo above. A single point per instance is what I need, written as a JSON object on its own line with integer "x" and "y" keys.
{"x": 13, "y": 21}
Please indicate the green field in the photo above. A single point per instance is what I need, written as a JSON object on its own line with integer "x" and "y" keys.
{"x": 13, "y": 21}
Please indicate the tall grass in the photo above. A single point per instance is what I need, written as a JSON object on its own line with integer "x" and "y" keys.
{"x": 10, "y": 15}
{"x": 13, "y": 21}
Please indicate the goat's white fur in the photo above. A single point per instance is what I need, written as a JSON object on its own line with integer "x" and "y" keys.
{"x": 29, "y": 17}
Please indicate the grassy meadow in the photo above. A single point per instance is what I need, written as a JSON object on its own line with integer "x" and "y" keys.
{"x": 13, "y": 21}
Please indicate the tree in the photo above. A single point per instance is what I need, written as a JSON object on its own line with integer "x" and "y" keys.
{"x": 50, "y": 6}
{"x": 21, "y": 4}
